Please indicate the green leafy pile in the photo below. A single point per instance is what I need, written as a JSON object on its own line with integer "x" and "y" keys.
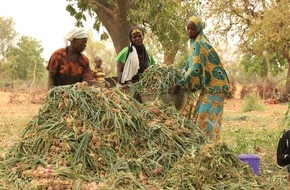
{"x": 84, "y": 135}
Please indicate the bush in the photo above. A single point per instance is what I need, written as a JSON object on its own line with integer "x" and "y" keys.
{"x": 252, "y": 103}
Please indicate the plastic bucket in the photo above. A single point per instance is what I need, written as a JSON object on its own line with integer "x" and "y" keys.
{"x": 253, "y": 160}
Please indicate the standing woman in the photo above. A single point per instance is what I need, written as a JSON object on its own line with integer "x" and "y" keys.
{"x": 69, "y": 65}
{"x": 205, "y": 73}
{"x": 134, "y": 59}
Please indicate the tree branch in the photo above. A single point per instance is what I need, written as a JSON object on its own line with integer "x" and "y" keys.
{"x": 102, "y": 5}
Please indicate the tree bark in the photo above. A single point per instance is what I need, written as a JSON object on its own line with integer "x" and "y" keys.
{"x": 169, "y": 56}
{"x": 287, "y": 85}
{"x": 34, "y": 78}
{"x": 114, "y": 20}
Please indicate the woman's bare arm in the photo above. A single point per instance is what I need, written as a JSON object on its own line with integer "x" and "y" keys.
{"x": 120, "y": 67}
{"x": 50, "y": 82}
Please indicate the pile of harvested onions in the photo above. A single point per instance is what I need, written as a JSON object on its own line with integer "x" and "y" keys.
{"x": 91, "y": 138}
{"x": 84, "y": 135}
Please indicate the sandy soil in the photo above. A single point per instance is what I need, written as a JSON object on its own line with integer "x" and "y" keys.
{"x": 16, "y": 109}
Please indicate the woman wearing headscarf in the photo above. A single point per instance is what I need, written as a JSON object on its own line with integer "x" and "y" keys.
{"x": 134, "y": 59}
{"x": 69, "y": 65}
{"x": 204, "y": 72}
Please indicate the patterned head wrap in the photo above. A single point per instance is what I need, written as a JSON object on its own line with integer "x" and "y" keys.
{"x": 135, "y": 29}
{"x": 197, "y": 21}
{"x": 77, "y": 33}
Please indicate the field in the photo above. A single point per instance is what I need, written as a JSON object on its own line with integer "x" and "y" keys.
{"x": 254, "y": 132}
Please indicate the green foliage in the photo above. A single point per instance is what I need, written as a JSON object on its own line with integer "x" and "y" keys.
{"x": 105, "y": 36}
{"x": 252, "y": 64}
{"x": 270, "y": 38}
{"x": 22, "y": 62}
{"x": 80, "y": 9}
{"x": 270, "y": 32}
{"x": 252, "y": 103}
{"x": 7, "y": 36}
{"x": 79, "y": 13}
{"x": 262, "y": 28}
{"x": 255, "y": 64}
{"x": 167, "y": 20}
{"x": 181, "y": 59}
{"x": 96, "y": 48}
{"x": 25, "y": 61}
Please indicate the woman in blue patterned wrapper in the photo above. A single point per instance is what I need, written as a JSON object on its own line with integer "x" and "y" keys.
{"x": 204, "y": 72}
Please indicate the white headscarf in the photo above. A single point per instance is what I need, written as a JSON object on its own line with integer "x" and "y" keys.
{"x": 77, "y": 33}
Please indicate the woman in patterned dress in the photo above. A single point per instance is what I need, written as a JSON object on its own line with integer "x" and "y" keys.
{"x": 205, "y": 73}
{"x": 69, "y": 65}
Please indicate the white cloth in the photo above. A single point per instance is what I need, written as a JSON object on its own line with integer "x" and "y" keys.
{"x": 77, "y": 32}
{"x": 131, "y": 66}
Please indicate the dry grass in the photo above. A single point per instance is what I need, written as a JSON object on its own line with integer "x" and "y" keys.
{"x": 256, "y": 132}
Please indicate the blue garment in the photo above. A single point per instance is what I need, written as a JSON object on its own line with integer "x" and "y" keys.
{"x": 204, "y": 72}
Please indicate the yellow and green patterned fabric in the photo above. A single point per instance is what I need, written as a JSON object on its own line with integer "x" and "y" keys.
{"x": 205, "y": 73}
{"x": 204, "y": 69}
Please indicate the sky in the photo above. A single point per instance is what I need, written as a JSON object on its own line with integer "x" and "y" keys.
{"x": 45, "y": 20}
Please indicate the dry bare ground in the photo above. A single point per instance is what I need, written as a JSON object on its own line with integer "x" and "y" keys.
{"x": 16, "y": 110}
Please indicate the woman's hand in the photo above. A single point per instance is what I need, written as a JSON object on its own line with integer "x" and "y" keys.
{"x": 118, "y": 85}
{"x": 175, "y": 89}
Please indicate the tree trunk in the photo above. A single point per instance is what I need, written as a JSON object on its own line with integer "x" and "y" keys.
{"x": 287, "y": 86}
{"x": 33, "y": 79}
{"x": 114, "y": 18}
{"x": 264, "y": 87}
{"x": 169, "y": 56}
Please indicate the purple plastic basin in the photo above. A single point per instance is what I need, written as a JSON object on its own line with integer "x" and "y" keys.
{"x": 253, "y": 160}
